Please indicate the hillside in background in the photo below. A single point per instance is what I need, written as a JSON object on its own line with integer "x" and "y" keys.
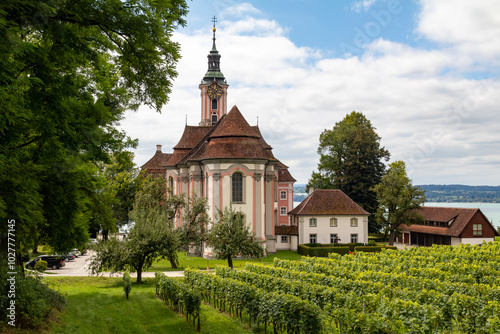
{"x": 439, "y": 193}
{"x": 461, "y": 193}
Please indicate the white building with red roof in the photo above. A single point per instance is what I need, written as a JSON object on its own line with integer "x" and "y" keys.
{"x": 326, "y": 216}
{"x": 448, "y": 226}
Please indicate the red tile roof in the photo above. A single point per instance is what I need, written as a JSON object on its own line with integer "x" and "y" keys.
{"x": 234, "y": 125}
{"x": 285, "y": 176}
{"x": 157, "y": 161}
{"x": 459, "y": 218}
{"x": 192, "y": 136}
{"x": 328, "y": 202}
{"x": 261, "y": 138}
{"x": 286, "y": 230}
{"x": 230, "y": 138}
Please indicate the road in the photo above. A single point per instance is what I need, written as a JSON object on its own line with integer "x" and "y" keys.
{"x": 80, "y": 267}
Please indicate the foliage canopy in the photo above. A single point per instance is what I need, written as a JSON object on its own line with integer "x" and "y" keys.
{"x": 68, "y": 71}
{"x": 398, "y": 200}
{"x": 231, "y": 237}
{"x": 352, "y": 160}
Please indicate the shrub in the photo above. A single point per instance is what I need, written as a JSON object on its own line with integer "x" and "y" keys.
{"x": 322, "y": 250}
{"x": 41, "y": 266}
{"x": 368, "y": 249}
{"x": 390, "y": 247}
{"x": 34, "y": 300}
{"x": 127, "y": 284}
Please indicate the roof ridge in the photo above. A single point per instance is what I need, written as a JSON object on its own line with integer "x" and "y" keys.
{"x": 197, "y": 147}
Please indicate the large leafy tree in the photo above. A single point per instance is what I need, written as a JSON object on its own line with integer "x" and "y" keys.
{"x": 399, "y": 200}
{"x": 231, "y": 237}
{"x": 68, "y": 71}
{"x": 152, "y": 236}
{"x": 352, "y": 160}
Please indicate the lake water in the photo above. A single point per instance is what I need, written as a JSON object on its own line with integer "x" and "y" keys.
{"x": 490, "y": 210}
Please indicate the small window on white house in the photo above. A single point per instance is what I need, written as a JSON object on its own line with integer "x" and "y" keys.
{"x": 354, "y": 238}
{"x": 333, "y": 222}
{"x": 282, "y": 194}
{"x": 334, "y": 238}
{"x": 313, "y": 238}
{"x": 354, "y": 222}
{"x": 283, "y": 210}
{"x": 312, "y": 222}
{"x": 477, "y": 229}
{"x": 284, "y": 239}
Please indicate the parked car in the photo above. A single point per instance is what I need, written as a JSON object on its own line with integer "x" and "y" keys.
{"x": 53, "y": 261}
{"x": 70, "y": 257}
{"x": 76, "y": 252}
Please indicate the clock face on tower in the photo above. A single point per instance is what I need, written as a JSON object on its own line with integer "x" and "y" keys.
{"x": 214, "y": 91}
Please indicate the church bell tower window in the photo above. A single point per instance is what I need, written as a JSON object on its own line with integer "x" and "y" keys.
{"x": 214, "y": 118}
{"x": 214, "y": 104}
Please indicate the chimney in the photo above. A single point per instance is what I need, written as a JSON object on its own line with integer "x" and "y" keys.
{"x": 311, "y": 189}
{"x": 158, "y": 148}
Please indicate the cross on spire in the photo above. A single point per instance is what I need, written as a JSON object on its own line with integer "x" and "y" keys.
{"x": 214, "y": 19}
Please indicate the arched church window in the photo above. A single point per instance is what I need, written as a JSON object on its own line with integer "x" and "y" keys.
{"x": 237, "y": 187}
{"x": 214, "y": 104}
{"x": 214, "y": 118}
{"x": 171, "y": 186}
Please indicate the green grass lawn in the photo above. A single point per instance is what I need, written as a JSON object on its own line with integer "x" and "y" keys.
{"x": 201, "y": 263}
{"x": 98, "y": 305}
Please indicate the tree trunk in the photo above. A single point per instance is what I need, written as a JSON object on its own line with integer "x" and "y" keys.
{"x": 139, "y": 276}
{"x": 19, "y": 262}
{"x": 230, "y": 262}
{"x": 105, "y": 234}
{"x": 35, "y": 247}
{"x": 392, "y": 237}
{"x": 172, "y": 262}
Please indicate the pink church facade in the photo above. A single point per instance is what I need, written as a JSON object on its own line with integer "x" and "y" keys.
{"x": 228, "y": 161}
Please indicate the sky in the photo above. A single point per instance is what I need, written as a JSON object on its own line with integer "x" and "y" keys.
{"x": 426, "y": 73}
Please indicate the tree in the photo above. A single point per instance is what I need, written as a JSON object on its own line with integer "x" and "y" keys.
{"x": 152, "y": 236}
{"x": 68, "y": 72}
{"x": 399, "y": 200}
{"x": 351, "y": 159}
{"x": 194, "y": 229}
{"x": 231, "y": 237}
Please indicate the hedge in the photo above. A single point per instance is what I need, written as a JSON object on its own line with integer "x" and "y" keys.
{"x": 322, "y": 251}
{"x": 368, "y": 249}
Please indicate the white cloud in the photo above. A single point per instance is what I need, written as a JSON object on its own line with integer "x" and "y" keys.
{"x": 362, "y": 5}
{"x": 239, "y": 10}
{"x": 444, "y": 125}
{"x": 472, "y": 27}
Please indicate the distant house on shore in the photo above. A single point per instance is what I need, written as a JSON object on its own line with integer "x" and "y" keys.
{"x": 448, "y": 226}
{"x": 326, "y": 216}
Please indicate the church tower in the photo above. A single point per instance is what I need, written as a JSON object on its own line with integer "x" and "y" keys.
{"x": 213, "y": 88}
